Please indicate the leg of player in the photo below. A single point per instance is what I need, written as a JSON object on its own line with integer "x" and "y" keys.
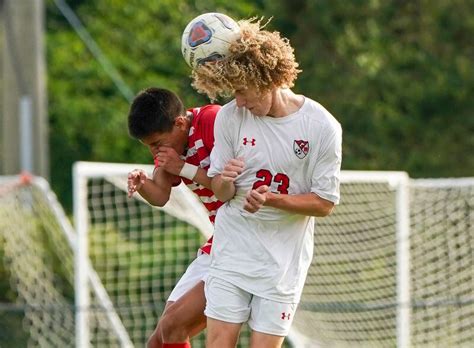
{"x": 181, "y": 319}
{"x": 221, "y": 334}
{"x": 156, "y": 338}
{"x": 185, "y": 318}
{"x": 261, "y": 340}
{"x": 270, "y": 322}
{"x": 227, "y": 308}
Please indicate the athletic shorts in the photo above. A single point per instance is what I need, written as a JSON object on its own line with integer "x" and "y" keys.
{"x": 229, "y": 303}
{"x": 196, "y": 271}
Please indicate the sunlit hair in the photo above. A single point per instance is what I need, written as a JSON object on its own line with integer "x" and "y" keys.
{"x": 259, "y": 59}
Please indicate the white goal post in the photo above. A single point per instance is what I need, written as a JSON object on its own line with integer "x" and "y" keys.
{"x": 374, "y": 203}
{"x": 186, "y": 209}
{"x": 398, "y": 181}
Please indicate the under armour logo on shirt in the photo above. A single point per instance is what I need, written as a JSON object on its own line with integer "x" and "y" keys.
{"x": 251, "y": 142}
{"x": 285, "y": 316}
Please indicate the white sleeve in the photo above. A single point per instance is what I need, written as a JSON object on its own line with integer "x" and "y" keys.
{"x": 327, "y": 169}
{"x": 223, "y": 149}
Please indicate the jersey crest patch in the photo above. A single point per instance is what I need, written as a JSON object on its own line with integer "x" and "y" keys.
{"x": 301, "y": 148}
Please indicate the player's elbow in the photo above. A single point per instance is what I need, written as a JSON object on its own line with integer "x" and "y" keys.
{"x": 161, "y": 203}
{"x": 157, "y": 202}
{"x": 325, "y": 209}
{"x": 328, "y": 211}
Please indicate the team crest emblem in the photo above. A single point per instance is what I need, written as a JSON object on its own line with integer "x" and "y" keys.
{"x": 199, "y": 34}
{"x": 301, "y": 148}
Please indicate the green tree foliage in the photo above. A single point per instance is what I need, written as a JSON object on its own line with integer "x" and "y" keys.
{"x": 397, "y": 74}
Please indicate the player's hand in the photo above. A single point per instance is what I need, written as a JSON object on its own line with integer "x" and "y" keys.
{"x": 169, "y": 160}
{"x": 136, "y": 179}
{"x": 232, "y": 170}
{"x": 255, "y": 199}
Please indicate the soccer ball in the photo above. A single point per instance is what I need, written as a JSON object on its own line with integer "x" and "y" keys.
{"x": 208, "y": 37}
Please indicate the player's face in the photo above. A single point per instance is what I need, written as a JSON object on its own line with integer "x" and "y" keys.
{"x": 177, "y": 138}
{"x": 257, "y": 103}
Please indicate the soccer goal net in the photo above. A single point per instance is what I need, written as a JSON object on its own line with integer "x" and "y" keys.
{"x": 392, "y": 269}
{"x": 36, "y": 259}
{"x": 393, "y": 265}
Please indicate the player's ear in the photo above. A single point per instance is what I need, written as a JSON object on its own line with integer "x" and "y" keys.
{"x": 181, "y": 122}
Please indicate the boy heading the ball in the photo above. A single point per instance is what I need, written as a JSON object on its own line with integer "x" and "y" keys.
{"x": 276, "y": 164}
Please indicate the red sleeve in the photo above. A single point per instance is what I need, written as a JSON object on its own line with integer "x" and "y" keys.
{"x": 207, "y": 118}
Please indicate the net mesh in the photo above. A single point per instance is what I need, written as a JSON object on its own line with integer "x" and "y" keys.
{"x": 39, "y": 262}
{"x": 139, "y": 253}
{"x": 350, "y": 293}
{"x": 442, "y": 258}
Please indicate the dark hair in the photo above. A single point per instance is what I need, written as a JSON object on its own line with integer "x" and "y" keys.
{"x": 153, "y": 110}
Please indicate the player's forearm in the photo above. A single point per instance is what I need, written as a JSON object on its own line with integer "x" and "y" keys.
{"x": 155, "y": 194}
{"x": 308, "y": 204}
{"x": 202, "y": 178}
{"x": 195, "y": 173}
{"x": 223, "y": 190}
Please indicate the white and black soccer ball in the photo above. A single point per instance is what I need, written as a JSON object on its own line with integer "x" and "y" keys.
{"x": 208, "y": 37}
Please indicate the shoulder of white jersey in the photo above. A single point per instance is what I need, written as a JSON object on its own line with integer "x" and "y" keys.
{"x": 320, "y": 114}
{"x": 229, "y": 113}
{"x": 229, "y": 106}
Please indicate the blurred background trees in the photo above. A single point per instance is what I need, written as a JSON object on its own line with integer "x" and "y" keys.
{"x": 398, "y": 75}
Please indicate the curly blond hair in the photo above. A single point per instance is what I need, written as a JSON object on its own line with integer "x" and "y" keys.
{"x": 259, "y": 59}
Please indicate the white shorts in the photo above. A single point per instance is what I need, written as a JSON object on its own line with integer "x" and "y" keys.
{"x": 229, "y": 303}
{"x": 197, "y": 270}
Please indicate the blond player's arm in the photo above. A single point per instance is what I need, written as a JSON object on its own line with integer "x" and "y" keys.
{"x": 223, "y": 184}
{"x": 223, "y": 190}
{"x": 309, "y": 204}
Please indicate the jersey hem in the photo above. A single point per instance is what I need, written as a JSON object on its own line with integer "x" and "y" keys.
{"x": 293, "y": 300}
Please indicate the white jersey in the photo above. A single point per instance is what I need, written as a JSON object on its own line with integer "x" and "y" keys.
{"x": 268, "y": 253}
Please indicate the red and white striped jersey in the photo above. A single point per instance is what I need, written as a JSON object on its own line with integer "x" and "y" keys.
{"x": 200, "y": 144}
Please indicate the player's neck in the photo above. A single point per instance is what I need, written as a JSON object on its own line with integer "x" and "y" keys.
{"x": 285, "y": 102}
